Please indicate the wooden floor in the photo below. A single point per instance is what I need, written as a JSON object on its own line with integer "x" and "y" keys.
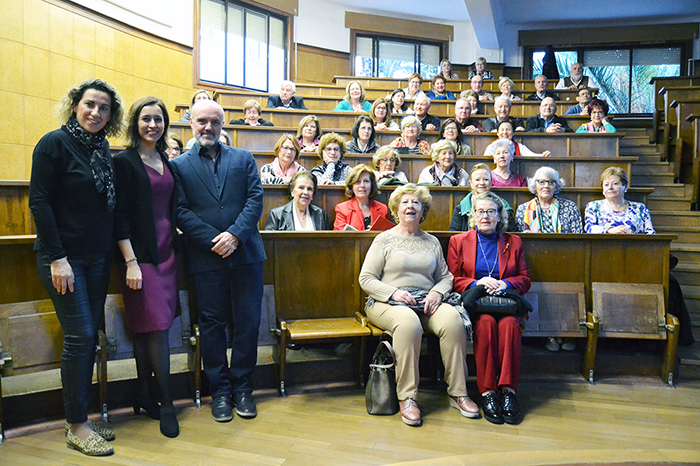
{"x": 566, "y": 422}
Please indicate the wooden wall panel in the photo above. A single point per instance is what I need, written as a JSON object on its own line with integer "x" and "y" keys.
{"x": 317, "y": 65}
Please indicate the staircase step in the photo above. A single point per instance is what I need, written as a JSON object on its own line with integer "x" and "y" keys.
{"x": 668, "y": 203}
{"x": 651, "y": 168}
{"x": 671, "y": 218}
{"x": 667, "y": 189}
{"x": 684, "y": 234}
{"x": 635, "y": 151}
{"x": 687, "y": 274}
{"x": 648, "y": 158}
{"x": 652, "y": 179}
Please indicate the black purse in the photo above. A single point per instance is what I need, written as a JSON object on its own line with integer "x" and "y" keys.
{"x": 497, "y": 304}
{"x": 380, "y": 393}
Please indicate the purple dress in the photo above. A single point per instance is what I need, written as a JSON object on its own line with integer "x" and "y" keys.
{"x": 515, "y": 180}
{"x": 154, "y": 306}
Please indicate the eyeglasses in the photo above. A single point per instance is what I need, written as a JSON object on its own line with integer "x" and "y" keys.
{"x": 546, "y": 183}
{"x": 392, "y": 160}
{"x": 288, "y": 149}
{"x": 331, "y": 149}
{"x": 173, "y": 150}
{"x": 481, "y": 213}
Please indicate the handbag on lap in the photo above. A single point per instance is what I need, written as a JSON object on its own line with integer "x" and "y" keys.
{"x": 380, "y": 393}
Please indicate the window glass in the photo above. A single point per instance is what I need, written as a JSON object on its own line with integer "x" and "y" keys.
{"x": 609, "y": 71}
{"x": 363, "y": 56}
{"x": 396, "y": 59}
{"x": 387, "y": 58}
{"x": 647, "y": 63}
{"x": 429, "y": 60}
{"x": 212, "y": 41}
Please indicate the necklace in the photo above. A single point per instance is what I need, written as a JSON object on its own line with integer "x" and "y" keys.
{"x": 483, "y": 253}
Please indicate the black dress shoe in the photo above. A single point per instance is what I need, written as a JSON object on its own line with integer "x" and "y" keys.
{"x": 151, "y": 408}
{"x": 168, "y": 423}
{"x": 510, "y": 407}
{"x": 245, "y": 406}
{"x": 492, "y": 408}
{"x": 221, "y": 409}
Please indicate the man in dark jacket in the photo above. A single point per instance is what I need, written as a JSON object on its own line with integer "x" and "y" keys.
{"x": 547, "y": 121}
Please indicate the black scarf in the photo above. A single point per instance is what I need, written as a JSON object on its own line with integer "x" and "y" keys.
{"x": 102, "y": 170}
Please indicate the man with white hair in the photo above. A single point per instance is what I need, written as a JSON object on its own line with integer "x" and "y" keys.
{"x": 421, "y": 107}
{"x": 501, "y": 107}
{"x": 286, "y": 99}
{"x": 541, "y": 83}
{"x": 547, "y": 121}
{"x": 575, "y": 80}
{"x": 477, "y": 84}
{"x": 463, "y": 113}
{"x": 219, "y": 204}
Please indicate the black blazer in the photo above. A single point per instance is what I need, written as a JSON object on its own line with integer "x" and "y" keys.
{"x": 282, "y": 218}
{"x": 275, "y": 101}
{"x": 134, "y": 211}
{"x": 430, "y": 119}
{"x": 535, "y": 97}
{"x": 535, "y": 124}
{"x": 243, "y": 122}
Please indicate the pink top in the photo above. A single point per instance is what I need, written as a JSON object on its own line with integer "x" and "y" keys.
{"x": 515, "y": 180}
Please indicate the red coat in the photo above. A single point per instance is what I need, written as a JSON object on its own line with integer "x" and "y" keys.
{"x": 461, "y": 260}
{"x": 349, "y": 212}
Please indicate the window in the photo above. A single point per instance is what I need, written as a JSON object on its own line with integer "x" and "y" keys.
{"x": 392, "y": 58}
{"x": 241, "y": 46}
{"x": 622, "y": 74}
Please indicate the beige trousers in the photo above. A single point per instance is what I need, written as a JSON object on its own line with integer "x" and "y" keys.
{"x": 407, "y": 326}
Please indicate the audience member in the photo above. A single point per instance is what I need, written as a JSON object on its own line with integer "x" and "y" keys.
{"x": 385, "y": 163}
{"x": 309, "y": 133}
{"x": 413, "y": 90}
{"x": 547, "y": 121}
{"x": 398, "y": 102}
{"x": 354, "y": 100}
{"x": 299, "y": 214}
{"x": 219, "y": 218}
{"x": 361, "y": 211}
{"x": 409, "y": 142}
{"x": 463, "y": 113}
{"x": 480, "y": 69}
{"x": 446, "y": 70}
{"x": 285, "y": 165}
{"x": 473, "y": 99}
{"x": 198, "y": 95}
{"x": 251, "y": 115}
{"x": 478, "y": 88}
{"x": 225, "y": 138}
{"x": 501, "y": 107}
{"x": 333, "y": 171}
{"x": 286, "y": 99}
{"x": 575, "y": 80}
{"x": 541, "y": 83}
{"x": 174, "y": 145}
{"x": 505, "y": 132}
{"x": 380, "y": 113}
{"x": 598, "y": 110}
{"x": 444, "y": 171}
{"x": 451, "y": 132}
{"x": 421, "y": 107}
{"x": 501, "y": 176}
{"x": 362, "y": 137}
{"x": 438, "y": 91}
{"x": 583, "y": 97}
{"x": 506, "y": 85}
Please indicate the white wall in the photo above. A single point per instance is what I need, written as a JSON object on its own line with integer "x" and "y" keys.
{"x": 170, "y": 19}
{"x": 465, "y": 48}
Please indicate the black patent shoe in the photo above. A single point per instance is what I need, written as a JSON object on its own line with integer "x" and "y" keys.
{"x": 245, "y": 406}
{"x": 492, "y": 408}
{"x": 510, "y": 407}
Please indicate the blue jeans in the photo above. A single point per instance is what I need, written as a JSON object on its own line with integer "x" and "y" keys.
{"x": 80, "y": 313}
{"x": 231, "y": 297}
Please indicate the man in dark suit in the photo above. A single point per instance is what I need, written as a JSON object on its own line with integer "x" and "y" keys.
{"x": 220, "y": 200}
{"x": 541, "y": 83}
{"x": 501, "y": 107}
{"x": 421, "y": 107}
{"x": 286, "y": 99}
{"x": 547, "y": 121}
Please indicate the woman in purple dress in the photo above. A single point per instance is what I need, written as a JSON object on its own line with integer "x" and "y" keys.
{"x": 145, "y": 231}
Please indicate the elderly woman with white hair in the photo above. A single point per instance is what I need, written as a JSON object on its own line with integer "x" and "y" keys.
{"x": 410, "y": 130}
{"x": 444, "y": 171}
{"x": 547, "y": 212}
{"x": 506, "y": 85}
{"x": 503, "y": 152}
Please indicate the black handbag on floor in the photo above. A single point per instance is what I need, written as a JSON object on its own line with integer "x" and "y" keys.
{"x": 380, "y": 393}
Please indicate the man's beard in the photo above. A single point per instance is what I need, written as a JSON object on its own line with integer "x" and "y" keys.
{"x": 207, "y": 144}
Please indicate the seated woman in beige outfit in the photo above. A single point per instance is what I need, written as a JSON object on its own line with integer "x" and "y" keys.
{"x": 407, "y": 258}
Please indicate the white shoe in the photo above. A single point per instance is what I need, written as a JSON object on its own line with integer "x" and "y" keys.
{"x": 552, "y": 345}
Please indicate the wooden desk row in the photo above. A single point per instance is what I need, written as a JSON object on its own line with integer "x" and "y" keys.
{"x": 236, "y": 99}
{"x": 444, "y": 200}
{"x": 263, "y": 138}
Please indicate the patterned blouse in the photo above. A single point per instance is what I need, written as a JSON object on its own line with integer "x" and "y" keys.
{"x": 421, "y": 148}
{"x": 600, "y": 217}
{"x": 569, "y": 218}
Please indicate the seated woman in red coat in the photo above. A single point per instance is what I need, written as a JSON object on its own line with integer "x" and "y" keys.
{"x": 489, "y": 257}
{"x": 360, "y": 212}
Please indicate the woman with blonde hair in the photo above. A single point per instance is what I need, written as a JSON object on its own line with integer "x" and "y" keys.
{"x": 410, "y": 293}
{"x": 333, "y": 171}
{"x": 410, "y": 130}
{"x": 380, "y": 113}
{"x": 506, "y": 85}
{"x": 309, "y": 133}
{"x": 413, "y": 89}
{"x": 251, "y": 115}
{"x": 354, "y": 100}
{"x": 385, "y": 163}
{"x": 444, "y": 171}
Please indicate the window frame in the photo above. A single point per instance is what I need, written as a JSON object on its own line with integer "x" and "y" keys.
{"x": 288, "y": 24}
{"x": 376, "y": 37}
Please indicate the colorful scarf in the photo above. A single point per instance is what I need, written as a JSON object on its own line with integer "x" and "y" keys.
{"x": 537, "y": 222}
{"x": 445, "y": 179}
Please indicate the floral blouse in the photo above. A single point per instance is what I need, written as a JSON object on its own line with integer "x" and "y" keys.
{"x": 600, "y": 217}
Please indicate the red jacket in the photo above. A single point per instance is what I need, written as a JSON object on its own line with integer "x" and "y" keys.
{"x": 349, "y": 212}
{"x": 461, "y": 260}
